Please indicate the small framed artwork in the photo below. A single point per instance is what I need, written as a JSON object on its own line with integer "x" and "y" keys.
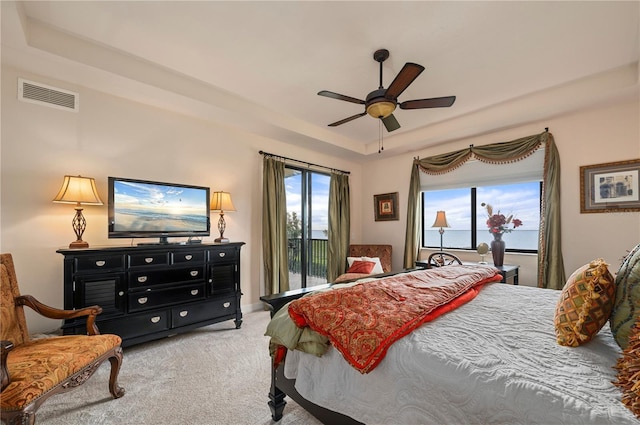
{"x": 386, "y": 206}
{"x": 610, "y": 187}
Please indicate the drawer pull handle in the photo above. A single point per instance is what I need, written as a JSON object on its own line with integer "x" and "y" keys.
{"x": 222, "y": 254}
{"x": 226, "y": 305}
{"x": 142, "y": 279}
{"x": 143, "y": 300}
{"x": 193, "y": 273}
{"x": 148, "y": 260}
{"x": 188, "y": 257}
{"x": 155, "y": 319}
{"x": 100, "y": 263}
{"x": 121, "y": 293}
{"x": 194, "y": 292}
{"x": 184, "y": 313}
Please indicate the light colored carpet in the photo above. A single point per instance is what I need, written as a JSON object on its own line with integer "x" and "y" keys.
{"x": 212, "y": 375}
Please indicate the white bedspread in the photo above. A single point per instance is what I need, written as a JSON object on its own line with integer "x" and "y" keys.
{"x": 494, "y": 360}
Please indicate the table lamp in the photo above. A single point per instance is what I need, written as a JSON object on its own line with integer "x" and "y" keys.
{"x": 80, "y": 191}
{"x": 441, "y": 222}
{"x": 221, "y": 201}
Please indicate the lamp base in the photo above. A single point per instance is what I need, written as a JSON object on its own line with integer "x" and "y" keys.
{"x": 221, "y": 240}
{"x": 79, "y": 244}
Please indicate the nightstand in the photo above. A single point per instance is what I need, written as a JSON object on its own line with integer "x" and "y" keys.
{"x": 509, "y": 273}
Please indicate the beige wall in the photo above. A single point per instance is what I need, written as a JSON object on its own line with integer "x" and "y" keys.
{"x": 605, "y": 134}
{"x": 111, "y": 136}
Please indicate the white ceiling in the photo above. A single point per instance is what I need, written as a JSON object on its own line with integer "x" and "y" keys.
{"x": 259, "y": 65}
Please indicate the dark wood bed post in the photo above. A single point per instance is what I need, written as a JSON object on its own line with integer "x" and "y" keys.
{"x": 281, "y": 386}
{"x": 275, "y": 302}
{"x": 276, "y": 397}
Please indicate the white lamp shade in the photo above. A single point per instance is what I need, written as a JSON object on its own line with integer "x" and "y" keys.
{"x": 78, "y": 190}
{"x": 221, "y": 201}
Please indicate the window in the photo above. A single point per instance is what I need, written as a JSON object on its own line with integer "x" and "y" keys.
{"x": 467, "y": 218}
{"x": 307, "y": 226}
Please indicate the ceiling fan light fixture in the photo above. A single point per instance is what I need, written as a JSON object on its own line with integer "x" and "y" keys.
{"x": 381, "y": 109}
{"x": 381, "y": 103}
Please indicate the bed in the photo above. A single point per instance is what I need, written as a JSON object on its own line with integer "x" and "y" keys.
{"x": 493, "y": 359}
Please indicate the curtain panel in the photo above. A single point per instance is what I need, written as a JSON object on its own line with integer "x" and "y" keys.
{"x": 550, "y": 263}
{"x": 274, "y": 227}
{"x": 339, "y": 225}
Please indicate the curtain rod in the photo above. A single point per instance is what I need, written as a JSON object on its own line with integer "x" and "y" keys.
{"x": 302, "y": 162}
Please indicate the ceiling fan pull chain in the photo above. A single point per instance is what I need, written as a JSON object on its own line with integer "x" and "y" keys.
{"x": 380, "y": 137}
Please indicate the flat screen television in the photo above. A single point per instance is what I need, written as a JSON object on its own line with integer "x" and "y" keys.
{"x": 150, "y": 209}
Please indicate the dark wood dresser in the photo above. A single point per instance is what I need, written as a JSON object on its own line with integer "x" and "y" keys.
{"x": 153, "y": 291}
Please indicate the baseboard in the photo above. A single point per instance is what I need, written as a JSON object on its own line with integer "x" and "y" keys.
{"x": 250, "y": 308}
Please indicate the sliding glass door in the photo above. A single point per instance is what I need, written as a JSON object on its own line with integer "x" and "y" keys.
{"x": 307, "y": 226}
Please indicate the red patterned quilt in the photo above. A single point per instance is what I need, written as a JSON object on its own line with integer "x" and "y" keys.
{"x": 363, "y": 321}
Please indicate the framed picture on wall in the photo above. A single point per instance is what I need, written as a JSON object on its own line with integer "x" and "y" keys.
{"x": 386, "y": 206}
{"x": 610, "y": 187}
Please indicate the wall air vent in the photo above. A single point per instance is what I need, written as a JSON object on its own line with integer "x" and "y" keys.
{"x": 42, "y": 94}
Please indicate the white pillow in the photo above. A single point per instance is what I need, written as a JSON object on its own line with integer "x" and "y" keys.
{"x": 376, "y": 269}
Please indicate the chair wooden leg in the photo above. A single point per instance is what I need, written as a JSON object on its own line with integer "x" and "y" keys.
{"x": 116, "y": 361}
{"x": 21, "y": 418}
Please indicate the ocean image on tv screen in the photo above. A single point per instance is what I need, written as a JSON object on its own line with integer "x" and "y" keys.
{"x": 147, "y": 207}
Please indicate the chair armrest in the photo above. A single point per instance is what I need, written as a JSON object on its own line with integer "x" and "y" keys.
{"x": 55, "y": 313}
{"x": 5, "y": 347}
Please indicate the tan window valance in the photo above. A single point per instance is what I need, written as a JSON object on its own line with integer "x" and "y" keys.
{"x": 550, "y": 263}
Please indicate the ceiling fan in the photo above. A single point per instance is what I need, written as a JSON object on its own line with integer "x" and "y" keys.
{"x": 382, "y": 102}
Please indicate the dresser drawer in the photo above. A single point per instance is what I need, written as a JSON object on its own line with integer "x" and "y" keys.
{"x": 140, "y": 278}
{"x": 93, "y": 264}
{"x": 149, "y": 259}
{"x": 223, "y": 306}
{"x": 135, "y": 325}
{"x": 193, "y": 313}
{"x": 223, "y": 255}
{"x": 145, "y": 300}
{"x": 187, "y": 257}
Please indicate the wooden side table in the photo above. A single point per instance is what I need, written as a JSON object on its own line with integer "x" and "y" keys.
{"x": 509, "y": 273}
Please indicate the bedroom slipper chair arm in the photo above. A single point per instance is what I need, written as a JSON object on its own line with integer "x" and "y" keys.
{"x": 5, "y": 347}
{"x": 56, "y": 313}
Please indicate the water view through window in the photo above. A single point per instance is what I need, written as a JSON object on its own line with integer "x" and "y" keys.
{"x": 521, "y": 200}
{"x": 307, "y": 195}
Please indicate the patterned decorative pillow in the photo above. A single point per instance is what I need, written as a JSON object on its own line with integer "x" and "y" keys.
{"x": 628, "y": 378}
{"x": 585, "y": 304}
{"x": 361, "y": 267}
{"x": 626, "y": 306}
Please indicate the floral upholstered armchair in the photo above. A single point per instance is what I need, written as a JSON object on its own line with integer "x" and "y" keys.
{"x": 34, "y": 370}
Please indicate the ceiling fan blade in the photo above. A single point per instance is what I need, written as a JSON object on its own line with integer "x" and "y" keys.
{"x": 434, "y": 102}
{"x": 340, "y": 97}
{"x": 391, "y": 123}
{"x": 337, "y": 123}
{"x": 407, "y": 74}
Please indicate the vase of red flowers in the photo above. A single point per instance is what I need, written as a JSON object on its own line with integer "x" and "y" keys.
{"x": 498, "y": 224}
{"x": 497, "y": 249}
